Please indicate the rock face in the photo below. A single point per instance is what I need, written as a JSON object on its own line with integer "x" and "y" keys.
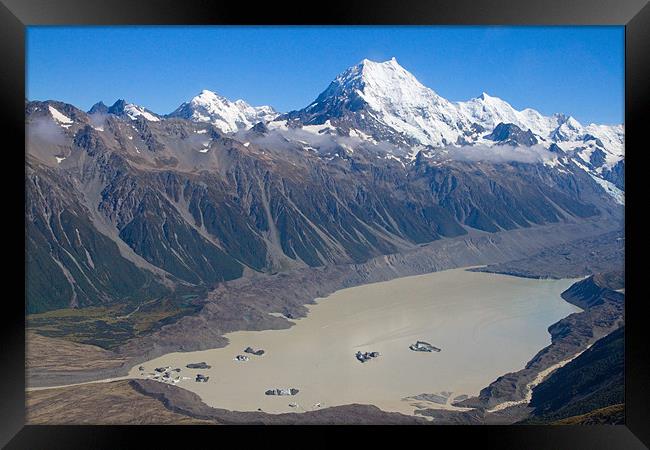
{"x": 596, "y": 289}
{"x": 511, "y": 134}
{"x": 98, "y": 108}
{"x": 616, "y": 175}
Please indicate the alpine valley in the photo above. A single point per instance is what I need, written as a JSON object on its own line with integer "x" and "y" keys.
{"x": 149, "y": 234}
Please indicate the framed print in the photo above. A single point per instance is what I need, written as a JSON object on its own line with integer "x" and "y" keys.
{"x": 379, "y": 214}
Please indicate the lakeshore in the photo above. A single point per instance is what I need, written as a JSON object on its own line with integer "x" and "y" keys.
{"x": 485, "y": 325}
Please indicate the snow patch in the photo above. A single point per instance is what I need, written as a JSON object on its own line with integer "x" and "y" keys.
{"x": 613, "y": 191}
{"x": 61, "y": 118}
{"x": 134, "y": 111}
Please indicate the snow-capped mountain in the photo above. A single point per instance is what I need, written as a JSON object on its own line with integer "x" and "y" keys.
{"x": 228, "y": 116}
{"x": 386, "y": 102}
{"x": 382, "y": 101}
{"x": 135, "y": 111}
{"x": 126, "y": 110}
{"x": 193, "y": 206}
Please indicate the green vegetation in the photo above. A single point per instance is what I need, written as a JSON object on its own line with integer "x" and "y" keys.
{"x": 69, "y": 263}
{"x": 111, "y": 326}
{"x": 163, "y": 238}
{"x": 610, "y": 415}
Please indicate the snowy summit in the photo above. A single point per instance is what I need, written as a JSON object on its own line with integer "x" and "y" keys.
{"x": 228, "y": 116}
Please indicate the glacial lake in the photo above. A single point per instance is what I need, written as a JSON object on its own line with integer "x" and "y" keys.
{"x": 485, "y": 325}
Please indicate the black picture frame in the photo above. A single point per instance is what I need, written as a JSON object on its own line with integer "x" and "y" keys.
{"x": 15, "y": 15}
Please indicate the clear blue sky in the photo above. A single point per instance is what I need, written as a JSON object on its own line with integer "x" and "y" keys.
{"x": 575, "y": 70}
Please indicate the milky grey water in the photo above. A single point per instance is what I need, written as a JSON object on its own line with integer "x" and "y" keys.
{"x": 485, "y": 324}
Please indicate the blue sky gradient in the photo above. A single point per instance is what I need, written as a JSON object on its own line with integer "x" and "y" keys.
{"x": 574, "y": 70}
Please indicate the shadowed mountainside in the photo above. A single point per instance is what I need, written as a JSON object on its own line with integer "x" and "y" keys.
{"x": 592, "y": 381}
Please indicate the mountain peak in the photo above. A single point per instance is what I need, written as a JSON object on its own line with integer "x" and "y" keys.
{"x": 382, "y": 72}
{"x": 98, "y": 108}
{"x": 369, "y": 71}
{"x": 386, "y": 102}
{"x": 511, "y": 134}
{"x": 132, "y": 111}
{"x": 384, "y": 83}
{"x": 388, "y": 63}
{"x": 487, "y": 99}
{"x": 207, "y": 95}
{"x": 117, "y": 108}
{"x": 228, "y": 116}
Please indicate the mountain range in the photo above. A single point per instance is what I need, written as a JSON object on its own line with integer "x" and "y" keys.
{"x": 125, "y": 204}
{"x": 382, "y": 102}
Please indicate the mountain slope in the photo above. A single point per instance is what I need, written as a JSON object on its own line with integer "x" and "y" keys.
{"x": 592, "y": 381}
{"x": 219, "y": 189}
{"x": 189, "y": 206}
{"x": 70, "y": 263}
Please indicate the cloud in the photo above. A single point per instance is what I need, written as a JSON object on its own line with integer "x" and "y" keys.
{"x": 98, "y": 120}
{"x": 500, "y": 153}
{"x": 326, "y": 143}
{"x": 45, "y": 130}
